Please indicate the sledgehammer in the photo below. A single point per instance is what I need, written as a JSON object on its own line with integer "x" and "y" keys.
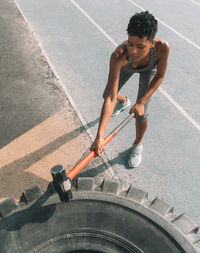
{"x": 62, "y": 181}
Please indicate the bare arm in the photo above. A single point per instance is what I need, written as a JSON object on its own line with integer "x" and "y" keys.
{"x": 109, "y": 102}
{"x": 121, "y": 49}
{"x": 138, "y": 108}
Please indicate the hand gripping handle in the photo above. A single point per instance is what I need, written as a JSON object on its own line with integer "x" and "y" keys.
{"x": 92, "y": 154}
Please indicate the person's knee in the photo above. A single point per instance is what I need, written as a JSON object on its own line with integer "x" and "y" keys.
{"x": 142, "y": 118}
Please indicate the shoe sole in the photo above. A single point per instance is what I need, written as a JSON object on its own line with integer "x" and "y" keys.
{"x": 135, "y": 166}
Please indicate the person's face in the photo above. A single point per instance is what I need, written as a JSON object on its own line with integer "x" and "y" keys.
{"x": 138, "y": 48}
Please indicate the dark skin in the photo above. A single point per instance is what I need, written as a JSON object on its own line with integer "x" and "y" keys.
{"x": 139, "y": 51}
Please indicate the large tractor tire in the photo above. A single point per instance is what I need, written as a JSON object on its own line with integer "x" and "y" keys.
{"x": 99, "y": 219}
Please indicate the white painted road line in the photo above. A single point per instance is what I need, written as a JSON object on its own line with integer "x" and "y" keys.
{"x": 73, "y": 104}
{"x": 94, "y": 23}
{"x": 169, "y": 27}
{"x": 180, "y": 108}
{"x": 195, "y": 2}
{"x": 171, "y": 100}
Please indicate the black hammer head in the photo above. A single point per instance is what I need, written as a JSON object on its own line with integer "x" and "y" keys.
{"x": 62, "y": 183}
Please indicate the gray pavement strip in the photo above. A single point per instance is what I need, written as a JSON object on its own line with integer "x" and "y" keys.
{"x": 30, "y": 94}
{"x": 170, "y": 164}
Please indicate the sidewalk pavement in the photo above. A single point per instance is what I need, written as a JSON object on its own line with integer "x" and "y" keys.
{"x": 39, "y": 127}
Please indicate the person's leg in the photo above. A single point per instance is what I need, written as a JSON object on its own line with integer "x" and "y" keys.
{"x": 122, "y": 101}
{"x": 140, "y": 130}
{"x": 141, "y": 122}
{"x": 124, "y": 76}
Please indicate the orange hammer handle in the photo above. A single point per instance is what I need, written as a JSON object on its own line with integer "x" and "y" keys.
{"x": 92, "y": 154}
{"x": 87, "y": 159}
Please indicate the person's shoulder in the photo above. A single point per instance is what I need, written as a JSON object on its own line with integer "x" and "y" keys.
{"x": 161, "y": 43}
{"x": 162, "y": 47}
{"x": 121, "y": 59}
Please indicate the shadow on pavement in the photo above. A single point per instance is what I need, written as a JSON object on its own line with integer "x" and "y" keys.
{"x": 13, "y": 177}
{"x": 121, "y": 159}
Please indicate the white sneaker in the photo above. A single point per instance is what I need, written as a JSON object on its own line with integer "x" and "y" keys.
{"x": 121, "y": 107}
{"x": 135, "y": 156}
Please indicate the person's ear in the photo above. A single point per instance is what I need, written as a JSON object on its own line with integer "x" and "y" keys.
{"x": 153, "y": 43}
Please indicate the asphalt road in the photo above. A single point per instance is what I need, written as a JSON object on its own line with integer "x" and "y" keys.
{"x": 38, "y": 126}
{"x": 79, "y": 36}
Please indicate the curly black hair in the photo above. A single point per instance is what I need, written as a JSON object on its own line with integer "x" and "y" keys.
{"x": 143, "y": 24}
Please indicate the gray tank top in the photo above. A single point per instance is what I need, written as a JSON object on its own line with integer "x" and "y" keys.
{"x": 150, "y": 66}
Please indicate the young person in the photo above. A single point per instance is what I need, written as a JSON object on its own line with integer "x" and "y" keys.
{"x": 142, "y": 53}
